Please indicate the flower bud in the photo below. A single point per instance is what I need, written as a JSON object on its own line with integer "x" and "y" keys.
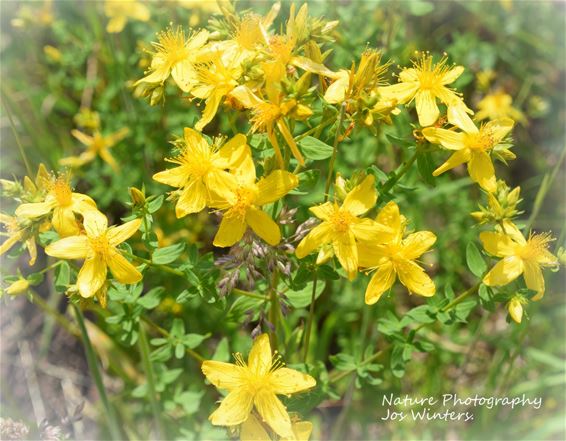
{"x": 20, "y": 286}
{"x": 515, "y": 308}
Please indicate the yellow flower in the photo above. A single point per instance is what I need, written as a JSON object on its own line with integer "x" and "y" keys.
{"x": 241, "y": 205}
{"x": 95, "y": 145}
{"x": 62, "y": 203}
{"x": 425, "y": 82}
{"x": 396, "y": 257}
{"x": 519, "y": 256}
{"x": 253, "y": 430}
{"x": 515, "y": 308}
{"x": 98, "y": 248}
{"x": 342, "y": 227}
{"x": 472, "y": 147}
{"x": 119, "y": 11}
{"x": 176, "y": 55}
{"x": 19, "y": 231}
{"x": 256, "y": 384}
{"x": 498, "y": 105}
{"x": 201, "y": 170}
{"x": 215, "y": 80}
{"x": 266, "y": 115}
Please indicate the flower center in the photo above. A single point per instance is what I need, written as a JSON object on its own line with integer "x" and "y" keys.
{"x": 264, "y": 114}
{"x": 172, "y": 46}
{"x": 481, "y": 141}
{"x": 100, "y": 245}
{"x": 341, "y": 220}
{"x": 536, "y": 245}
{"x": 245, "y": 198}
{"x": 249, "y": 35}
{"x": 281, "y": 48}
{"x": 62, "y": 192}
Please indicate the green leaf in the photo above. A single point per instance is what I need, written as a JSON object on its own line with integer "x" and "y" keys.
{"x": 155, "y": 204}
{"x": 315, "y": 149}
{"x": 462, "y": 310}
{"x": 222, "y": 352}
{"x": 426, "y": 166}
{"x": 422, "y": 314}
{"x": 191, "y": 341}
{"x": 189, "y": 401}
{"x": 343, "y": 362}
{"x": 151, "y": 299}
{"x": 62, "y": 276}
{"x": 420, "y": 7}
{"x": 475, "y": 260}
{"x": 179, "y": 351}
{"x": 163, "y": 256}
{"x": 302, "y": 298}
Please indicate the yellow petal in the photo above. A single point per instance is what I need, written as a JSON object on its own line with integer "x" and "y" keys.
{"x": 362, "y": 197}
{"x": 371, "y": 255}
{"x": 245, "y": 97}
{"x": 302, "y": 431}
{"x": 347, "y": 253}
{"x": 252, "y": 430}
{"x": 370, "y": 231}
{"x": 121, "y": 233}
{"x": 231, "y": 230}
{"x": 449, "y": 139}
{"x": 174, "y": 177}
{"x": 318, "y": 236}
{"x": 427, "y": 110}
{"x": 308, "y": 65}
{"x": 35, "y": 210}
{"x": 515, "y": 309}
{"x": 234, "y": 409}
{"x": 109, "y": 159}
{"x": 184, "y": 75}
{"x": 452, "y": 75}
{"x": 275, "y": 186}
{"x": 401, "y": 92}
{"x": 498, "y": 244}
{"x": 381, "y": 281}
{"x": 232, "y": 153}
{"x": 82, "y": 137}
{"x": 122, "y": 270}
{"x": 32, "y": 250}
{"x": 323, "y": 211}
{"x": 481, "y": 171}
{"x": 457, "y": 158}
{"x": 408, "y": 75}
{"x": 221, "y": 189}
{"x": 193, "y": 198}
{"x": 245, "y": 172}
{"x": 210, "y": 109}
{"x": 139, "y": 12}
{"x": 416, "y": 244}
{"x": 274, "y": 413}
{"x": 116, "y": 24}
{"x": 11, "y": 241}
{"x": 95, "y": 223}
{"x": 504, "y": 272}
{"x": 282, "y": 126}
{"x": 534, "y": 278}
{"x": 260, "y": 358}
{"x": 74, "y": 247}
{"x": 415, "y": 279}
{"x": 91, "y": 276}
{"x": 336, "y": 92}
{"x": 390, "y": 217}
{"x": 289, "y": 381}
{"x": 64, "y": 222}
{"x": 262, "y": 225}
{"x": 223, "y": 375}
{"x": 457, "y": 114}
{"x": 499, "y": 129}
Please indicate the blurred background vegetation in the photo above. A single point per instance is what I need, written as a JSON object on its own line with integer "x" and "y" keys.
{"x": 56, "y": 58}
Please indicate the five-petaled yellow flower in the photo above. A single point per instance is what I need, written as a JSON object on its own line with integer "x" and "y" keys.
{"x": 342, "y": 227}
{"x": 19, "y": 230}
{"x": 472, "y": 147}
{"x": 396, "y": 257}
{"x": 176, "y": 55}
{"x": 202, "y": 170}
{"x": 96, "y": 144}
{"x": 256, "y": 385}
{"x": 498, "y": 105}
{"x": 519, "y": 256}
{"x": 120, "y": 11}
{"x": 98, "y": 248}
{"x": 64, "y": 204}
{"x": 241, "y": 204}
{"x": 425, "y": 82}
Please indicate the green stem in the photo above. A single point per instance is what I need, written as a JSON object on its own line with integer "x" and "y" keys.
{"x": 337, "y": 376}
{"x": 252, "y": 295}
{"x": 113, "y": 424}
{"x": 275, "y": 306}
{"x": 59, "y": 318}
{"x": 148, "y": 367}
{"x": 165, "y": 268}
{"x": 17, "y": 138}
{"x": 390, "y": 183}
{"x": 310, "y": 319}
{"x": 543, "y": 191}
